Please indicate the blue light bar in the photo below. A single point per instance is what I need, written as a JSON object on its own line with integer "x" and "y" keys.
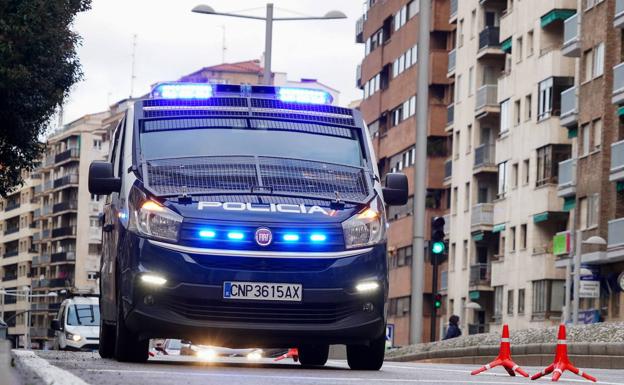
{"x": 207, "y": 234}
{"x": 303, "y": 95}
{"x": 235, "y": 235}
{"x": 318, "y": 237}
{"x": 182, "y": 91}
{"x": 291, "y": 237}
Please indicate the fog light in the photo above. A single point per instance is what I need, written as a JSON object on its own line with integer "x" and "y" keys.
{"x": 153, "y": 279}
{"x": 368, "y": 307}
{"x": 365, "y": 287}
{"x": 255, "y": 355}
{"x": 207, "y": 354}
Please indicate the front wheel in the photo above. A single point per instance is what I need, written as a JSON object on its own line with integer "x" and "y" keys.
{"x": 128, "y": 346}
{"x": 313, "y": 355}
{"x": 367, "y": 357}
{"x": 107, "y": 340}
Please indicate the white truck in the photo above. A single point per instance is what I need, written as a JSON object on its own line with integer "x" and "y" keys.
{"x": 77, "y": 325}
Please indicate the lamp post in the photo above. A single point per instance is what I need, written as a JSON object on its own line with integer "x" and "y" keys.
{"x": 268, "y": 19}
{"x": 595, "y": 240}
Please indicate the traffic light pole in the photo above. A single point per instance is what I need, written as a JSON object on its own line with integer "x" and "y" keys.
{"x": 434, "y": 290}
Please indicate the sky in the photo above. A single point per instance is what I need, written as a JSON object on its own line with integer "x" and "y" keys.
{"x": 172, "y": 41}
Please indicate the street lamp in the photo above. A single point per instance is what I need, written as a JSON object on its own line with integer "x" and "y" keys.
{"x": 269, "y": 19}
{"x": 594, "y": 240}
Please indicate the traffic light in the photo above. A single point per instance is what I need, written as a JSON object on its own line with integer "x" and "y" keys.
{"x": 437, "y": 236}
{"x": 437, "y": 300}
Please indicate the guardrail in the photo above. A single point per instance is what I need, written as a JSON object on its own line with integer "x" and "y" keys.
{"x": 12, "y": 205}
{"x": 64, "y": 231}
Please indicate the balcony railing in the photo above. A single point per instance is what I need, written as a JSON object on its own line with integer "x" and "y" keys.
{"x": 482, "y": 215}
{"x": 49, "y": 185}
{"x": 40, "y": 259}
{"x": 448, "y": 168}
{"x": 453, "y": 12}
{"x": 38, "y": 188}
{"x": 570, "y": 30}
{"x": 569, "y": 109}
{"x": 489, "y": 38}
{"x": 480, "y": 274}
{"x": 63, "y": 231}
{"x": 46, "y": 210}
{"x": 12, "y": 253}
{"x": 12, "y": 205}
{"x": 45, "y": 233}
{"x": 618, "y": 84}
{"x": 478, "y": 328}
{"x": 617, "y": 161}
{"x": 450, "y": 114}
{"x": 67, "y": 154}
{"x": 618, "y": 19}
{"x": 63, "y": 256}
{"x": 37, "y": 236}
{"x": 11, "y": 230}
{"x": 359, "y": 30}
{"x": 66, "y": 180}
{"x": 9, "y": 277}
{"x": 567, "y": 173}
{"x": 484, "y": 155}
{"x": 452, "y": 59}
{"x": 358, "y": 76}
{"x": 64, "y": 206}
{"x": 616, "y": 232}
{"x": 486, "y": 96}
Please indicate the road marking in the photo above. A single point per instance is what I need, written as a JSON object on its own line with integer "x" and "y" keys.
{"x": 32, "y": 364}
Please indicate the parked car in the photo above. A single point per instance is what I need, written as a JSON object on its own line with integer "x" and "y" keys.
{"x": 77, "y": 325}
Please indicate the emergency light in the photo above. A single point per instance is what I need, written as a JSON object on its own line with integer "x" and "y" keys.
{"x": 303, "y": 95}
{"x": 183, "y": 91}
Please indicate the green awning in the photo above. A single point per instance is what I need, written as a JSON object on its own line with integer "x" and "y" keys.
{"x": 498, "y": 228}
{"x": 478, "y": 236}
{"x": 474, "y": 295}
{"x": 506, "y": 46}
{"x": 619, "y": 186}
{"x": 555, "y": 15}
{"x": 572, "y": 132}
{"x": 620, "y": 111}
{"x": 569, "y": 203}
{"x": 541, "y": 217}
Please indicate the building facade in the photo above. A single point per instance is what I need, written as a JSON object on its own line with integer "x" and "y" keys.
{"x": 388, "y": 77}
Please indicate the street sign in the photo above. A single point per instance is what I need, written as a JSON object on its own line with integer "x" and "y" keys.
{"x": 589, "y": 289}
{"x": 389, "y": 335}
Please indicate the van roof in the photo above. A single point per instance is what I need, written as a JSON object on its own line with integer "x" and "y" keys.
{"x": 83, "y": 300}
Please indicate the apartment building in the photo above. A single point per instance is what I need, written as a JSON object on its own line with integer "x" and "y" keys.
{"x": 69, "y": 236}
{"x": 508, "y": 138}
{"x": 388, "y": 77}
{"x": 17, "y": 249}
{"x": 591, "y": 181}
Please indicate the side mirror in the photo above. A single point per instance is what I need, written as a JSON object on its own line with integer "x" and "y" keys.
{"x": 55, "y": 325}
{"x": 395, "y": 192}
{"x": 102, "y": 179}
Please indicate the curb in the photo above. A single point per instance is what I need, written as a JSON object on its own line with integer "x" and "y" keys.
{"x": 37, "y": 371}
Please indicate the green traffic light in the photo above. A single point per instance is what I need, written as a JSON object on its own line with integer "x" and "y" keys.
{"x": 438, "y": 247}
{"x": 438, "y": 304}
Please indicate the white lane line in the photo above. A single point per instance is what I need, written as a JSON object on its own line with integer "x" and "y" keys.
{"x": 32, "y": 364}
{"x": 301, "y": 378}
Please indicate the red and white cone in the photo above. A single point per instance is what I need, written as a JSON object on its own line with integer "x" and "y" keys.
{"x": 562, "y": 362}
{"x": 292, "y": 353}
{"x": 504, "y": 358}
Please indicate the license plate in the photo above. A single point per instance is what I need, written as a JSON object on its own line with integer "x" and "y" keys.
{"x": 263, "y": 291}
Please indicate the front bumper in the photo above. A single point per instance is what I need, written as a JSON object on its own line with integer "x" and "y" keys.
{"x": 191, "y": 305}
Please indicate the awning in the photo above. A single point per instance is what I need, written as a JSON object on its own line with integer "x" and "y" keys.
{"x": 619, "y": 186}
{"x": 541, "y": 217}
{"x": 498, "y": 228}
{"x": 506, "y": 46}
{"x": 478, "y": 236}
{"x": 572, "y": 132}
{"x": 474, "y": 295}
{"x": 569, "y": 203}
{"x": 549, "y": 215}
{"x": 620, "y": 111}
{"x": 555, "y": 15}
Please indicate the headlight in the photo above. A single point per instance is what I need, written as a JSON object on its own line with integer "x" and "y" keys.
{"x": 72, "y": 337}
{"x": 150, "y": 218}
{"x": 368, "y": 227}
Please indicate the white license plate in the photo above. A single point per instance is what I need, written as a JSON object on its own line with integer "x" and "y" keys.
{"x": 263, "y": 291}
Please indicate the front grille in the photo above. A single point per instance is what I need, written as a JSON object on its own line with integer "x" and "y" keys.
{"x": 263, "y": 264}
{"x": 215, "y": 310}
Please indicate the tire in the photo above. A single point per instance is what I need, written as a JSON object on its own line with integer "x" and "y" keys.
{"x": 107, "y": 340}
{"x": 313, "y": 355}
{"x": 128, "y": 346}
{"x": 367, "y": 357}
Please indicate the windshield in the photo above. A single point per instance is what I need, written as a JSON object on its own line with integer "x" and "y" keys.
{"x": 174, "y": 344}
{"x": 251, "y": 142}
{"x": 83, "y": 315}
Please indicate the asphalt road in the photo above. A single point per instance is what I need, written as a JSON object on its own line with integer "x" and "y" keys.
{"x": 174, "y": 370}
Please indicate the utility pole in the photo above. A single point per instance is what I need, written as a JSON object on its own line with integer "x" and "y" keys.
{"x": 577, "y": 276}
{"x": 132, "y": 75}
{"x": 268, "y": 44}
{"x": 420, "y": 174}
{"x": 223, "y": 46}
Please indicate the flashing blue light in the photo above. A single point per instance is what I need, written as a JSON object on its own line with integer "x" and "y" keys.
{"x": 318, "y": 237}
{"x": 207, "y": 234}
{"x": 183, "y": 91}
{"x": 291, "y": 237}
{"x": 303, "y": 95}
{"x": 235, "y": 235}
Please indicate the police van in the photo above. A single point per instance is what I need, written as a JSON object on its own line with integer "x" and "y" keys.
{"x": 244, "y": 216}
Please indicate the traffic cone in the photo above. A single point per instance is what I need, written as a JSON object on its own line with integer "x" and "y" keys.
{"x": 292, "y": 353}
{"x": 562, "y": 362}
{"x": 504, "y": 358}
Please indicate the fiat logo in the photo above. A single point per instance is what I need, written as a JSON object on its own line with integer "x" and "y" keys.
{"x": 264, "y": 236}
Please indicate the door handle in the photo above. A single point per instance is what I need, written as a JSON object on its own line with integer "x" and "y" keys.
{"x": 107, "y": 228}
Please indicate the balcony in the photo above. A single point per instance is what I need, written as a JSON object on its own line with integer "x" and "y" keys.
{"x": 46, "y": 210}
{"x": 569, "y": 108}
{"x": 12, "y": 205}
{"x": 72, "y": 153}
{"x": 618, "y": 84}
{"x": 64, "y": 231}
{"x": 63, "y": 256}
{"x": 618, "y": 18}
{"x": 616, "y": 233}
{"x": 57, "y": 282}
{"x": 45, "y": 234}
{"x": 486, "y": 102}
{"x": 571, "y": 41}
{"x": 489, "y": 43}
{"x": 448, "y": 170}
{"x": 452, "y": 60}
{"x": 71, "y": 179}
{"x": 450, "y": 116}
{"x": 65, "y": 206}
{"x": 38, "y": 189}
{"x": 95, "y": 234}
{"x": 567, "y": 178}
{"x": 11, "y": 253}
{"x": 617, "y": 162}
{"x": 480, "y": 275}
{"x": 482, "y": 217}
{"x": 11, "y": 230}
{"x": 359, "y": 30}
{"x": 37, "y": 236}
{"x": 484, "y": 159}
{"x": 47, "y": 186}
{"x": 453, "y": 11}
{"x": 40, "y": 260}
{"x": 9, "y": 277}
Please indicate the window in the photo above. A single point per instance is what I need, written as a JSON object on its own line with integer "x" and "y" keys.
{"x": 456, "y": 145}
{"x": 400, "y": 18}
{"x": 372, "y": 86}
{"x": 498, "y": 303}
{"x": 529, "y": 43}
{"x": 502, "y": 245}
{"x": 469, "y": 139}
{"x": 583, "y": 212}
{"x": 518, "y": 49}
{"x": 458, "y": 89}
{"x": 454, "y": 205}
{"x": 548, "y": 297}
{"x": 525, "y": 172}
{"x": 599, "y": 60}
{"x": 452, "y": 256}
{"x": 460, "y": 33}
{"x": 473, "y": 23}
{"x": 413, "y": 7}
{"x": 397, "y": 115}
{"x": 520, "y": 301}
{"x": 548, "y": 158}
{"x": 523, "y": 236}
{"x": 592, "y": 210}
{"x": 588, "y": 61}
{"x": 514, "y": 175}
{"x": 504, "y": 116}
{"x": 545, "y": 99}
{"x": 374, "y": 41}
{"x": 95, "y": 248}
{"x": 470, "y": 81}
{"x": 400, "y": 257}
{"x": 465, "y": 255}
{"x": 517, "y": 112}
{"x": 91, "y": 275}
{"x": 510, "y": 302}
{"x": 97, "y": 144}
{"x": 399, "y": 307}
{"x": 585, "y": 134}
{"x": 528, "y": 107}
{"x": 512, "y": 238}
{"x": 597, "y": 133}
{"x": 502, "y": 179}
{"x": 467, "y": 197}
